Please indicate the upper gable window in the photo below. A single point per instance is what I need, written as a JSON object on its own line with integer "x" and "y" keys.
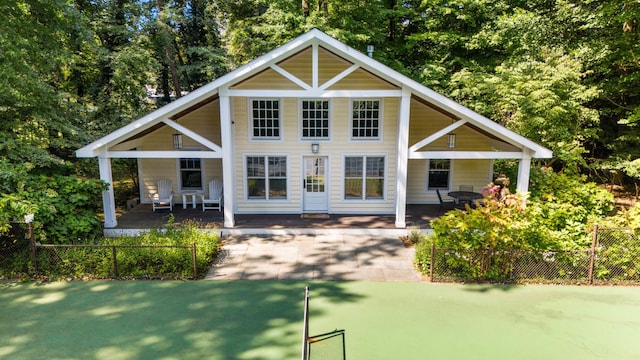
{"x": 315, "y": 119}
{"x": 365, "y": 119}
{"x": 265, "y": 119}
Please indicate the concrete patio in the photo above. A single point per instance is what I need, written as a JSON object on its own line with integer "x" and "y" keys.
{"x": 314, "y": 257}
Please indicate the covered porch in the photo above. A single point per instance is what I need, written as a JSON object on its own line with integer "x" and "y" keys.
{"x": 143, "y": 218}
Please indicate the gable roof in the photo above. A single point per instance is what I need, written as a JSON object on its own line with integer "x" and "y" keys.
{"x": 314, "y": 36}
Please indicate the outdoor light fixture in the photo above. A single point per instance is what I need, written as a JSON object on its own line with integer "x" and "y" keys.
{"x": 177, "y": 141}
{"x": 451, "y": 141}
{"x": 315, "y": 147}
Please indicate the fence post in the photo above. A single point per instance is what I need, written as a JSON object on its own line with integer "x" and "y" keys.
{"x": 34, "y": 259}
{"x": 433, "y": 251}
{"x": 592, "y": 253}
{"x": 195, "y": 262}
{"x": 115, "y": 261}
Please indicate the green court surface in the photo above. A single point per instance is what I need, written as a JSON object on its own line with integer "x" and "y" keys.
{"x": 263, "y": 320}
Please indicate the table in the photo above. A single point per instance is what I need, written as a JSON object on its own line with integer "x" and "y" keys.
{"x": 465, "y": 196}
{"x": 184, "y": 199}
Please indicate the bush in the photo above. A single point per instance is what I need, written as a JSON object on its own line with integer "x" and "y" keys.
{"x": 555, "y": 217}
{"x": 178, "y": 261}
{"x": 65, "y": 207}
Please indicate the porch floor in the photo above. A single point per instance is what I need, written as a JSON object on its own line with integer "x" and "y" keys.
{"x": 142, "y": 217}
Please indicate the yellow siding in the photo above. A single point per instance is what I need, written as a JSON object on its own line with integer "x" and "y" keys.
{"x": 335, "y": 149}
{"x": 362, "y": 80}
{"x": 205, "y": 121}
{"x": 267, "y": 80}
{"x": 426, "y": 121}
{"x": 299, "y": 65}
{"x": 330, "y": 65}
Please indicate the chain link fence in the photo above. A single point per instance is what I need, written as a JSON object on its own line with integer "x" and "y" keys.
{"x": 116, "y": 261}
{"x": 15, "y": 250}
{"x": 21, "y": 256}
{"x": 614, "y": 257}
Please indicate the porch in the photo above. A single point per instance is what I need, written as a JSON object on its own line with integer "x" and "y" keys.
{"x": 142, "y": 217}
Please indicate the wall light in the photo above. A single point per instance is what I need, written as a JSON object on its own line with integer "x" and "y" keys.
{"x": 177, "y": 141}
{"x": 315, "y": 147}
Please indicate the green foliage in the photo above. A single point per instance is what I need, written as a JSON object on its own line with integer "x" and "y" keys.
{"x": 64, "y": 207}
{"x": 422, "y": 259}
{"x": 482, "y": 238}
{"x": 568, "y": 201}
{"x": 176, "y": 261}
{"x": 160, "y": 253}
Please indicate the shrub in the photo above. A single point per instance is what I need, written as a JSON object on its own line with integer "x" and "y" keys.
{"x": 143, "y": 261}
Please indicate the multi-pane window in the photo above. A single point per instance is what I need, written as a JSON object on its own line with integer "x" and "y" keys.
{"x": 191, "y": 174}
{"x": 315, "y": 119}
{"x": 365, "y": 119}
{"x": 438, "y": 174}
{"x": 364, "y": 177}
{"x": 267, "y": 177}
{"x": 265, "y": 118}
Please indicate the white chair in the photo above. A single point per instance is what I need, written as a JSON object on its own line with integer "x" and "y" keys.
{"x": 163, "y": 198}
{"x": 214, "y": 201}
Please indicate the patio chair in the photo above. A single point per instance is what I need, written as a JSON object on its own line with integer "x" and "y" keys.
{"x": 452, "y": 203}
{"x": 214, "y": 201}
{"x": 163, "y": 198}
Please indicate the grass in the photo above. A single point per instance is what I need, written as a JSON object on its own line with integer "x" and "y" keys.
{"x": 263, "y": 320}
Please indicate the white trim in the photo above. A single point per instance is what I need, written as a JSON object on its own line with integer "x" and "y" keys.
{"x": 339, "y": 77}
{"x": 327, "y": 176}
{"x": 203, "y": 183}
{"x": 253, "y": 138}
{"x": 426, "y": 177}
{"x": 363, "y": 199}
{"x": 228, "y": 162}
{"x": 313, "y": 38}
{"x": 524, "y": 169}
{"x": 108, "y": 198}
{"x": 314, "y": 66}
{"x": 402, "y": 160}
{"x": 435, "y": 136}
{"x": 314, "y": 93}
{"x": 289, "y": 76}
{"x": 380, "y": 137}
{"x": 245, "y": 176}
{"x": 161, "y": 154}
{"x": 300, "y": 119}
{"x": 466, "y": 155}
{"x": 193, "y": 135}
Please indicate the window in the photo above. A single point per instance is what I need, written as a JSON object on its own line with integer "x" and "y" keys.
{"x": 191, "y": 174}
{"x": 438, "y": 174}
{"x": 364, "y": 177}
{"x": 265, "y": 119}
{"x": 315, "y": 119}
{"x": 267, "y": 177}
{"x": 365, "y": 122}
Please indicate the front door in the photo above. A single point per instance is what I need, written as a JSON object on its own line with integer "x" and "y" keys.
{"x": 315, "y": 184}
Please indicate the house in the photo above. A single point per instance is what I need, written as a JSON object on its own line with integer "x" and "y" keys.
{"x": 313, "y": 126}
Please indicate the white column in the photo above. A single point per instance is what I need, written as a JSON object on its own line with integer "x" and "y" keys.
{"x": 108, "y": 200}
{"x": 402, "y": 158}
{"x": 228, "y": 164}
{"x": 524, "y": 169}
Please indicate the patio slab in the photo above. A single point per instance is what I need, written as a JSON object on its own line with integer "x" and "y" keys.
{"x": 321, "y": 257}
